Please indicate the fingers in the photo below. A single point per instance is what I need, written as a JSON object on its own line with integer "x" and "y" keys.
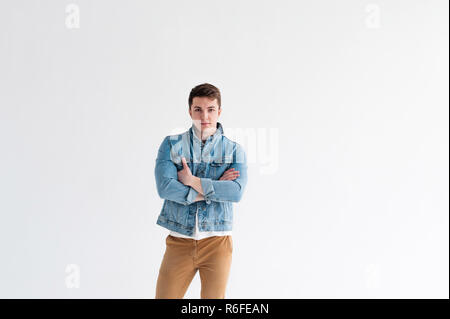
{"x": 183, "y": 161}
{"x": 230, "y": 174}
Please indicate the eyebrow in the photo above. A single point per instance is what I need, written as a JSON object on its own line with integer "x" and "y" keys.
{"x": 208, "y": 107}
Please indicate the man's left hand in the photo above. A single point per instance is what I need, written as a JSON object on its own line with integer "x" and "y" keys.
{"x": 185, "y": 175}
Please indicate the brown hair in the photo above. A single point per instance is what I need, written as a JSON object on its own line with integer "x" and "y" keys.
{"x": 205, "y": 90}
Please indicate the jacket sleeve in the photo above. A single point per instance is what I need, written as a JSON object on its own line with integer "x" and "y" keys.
{"x": 166, "y": 177}
{"x": 228, "y": 191}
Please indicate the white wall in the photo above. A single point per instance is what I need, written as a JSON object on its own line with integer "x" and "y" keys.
{"x": 348, "y": 200}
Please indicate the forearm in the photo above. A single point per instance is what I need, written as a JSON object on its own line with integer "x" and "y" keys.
{"x": 196, "y": 184}
{"x": 223, "y": 191}
{"x": 171, "y": 189}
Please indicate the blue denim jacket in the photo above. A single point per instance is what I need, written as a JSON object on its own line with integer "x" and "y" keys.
{"x": 208, "y": 162}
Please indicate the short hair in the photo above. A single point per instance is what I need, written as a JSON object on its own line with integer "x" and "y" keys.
{"x": 205, "y": 90}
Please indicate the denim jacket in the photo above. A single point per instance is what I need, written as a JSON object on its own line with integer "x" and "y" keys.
{"x": 208, "y": 162}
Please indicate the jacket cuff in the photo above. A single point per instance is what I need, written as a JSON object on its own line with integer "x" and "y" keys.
{"x": 192, "y": 194}
{"x": 208, "y": 189}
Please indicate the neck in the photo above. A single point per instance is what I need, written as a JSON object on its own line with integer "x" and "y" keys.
{"x": 203, "y": 135}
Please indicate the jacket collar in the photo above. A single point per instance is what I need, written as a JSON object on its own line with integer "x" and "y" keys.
{"x": 204, "y": 153}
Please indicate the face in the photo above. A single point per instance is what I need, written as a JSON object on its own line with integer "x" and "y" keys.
{"x": 204, "y": 113}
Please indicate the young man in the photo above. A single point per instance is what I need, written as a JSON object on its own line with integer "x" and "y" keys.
{"x": 199, "y": 174}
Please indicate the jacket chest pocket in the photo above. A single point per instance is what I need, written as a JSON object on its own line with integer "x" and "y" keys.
{"x": 217, "y": 169}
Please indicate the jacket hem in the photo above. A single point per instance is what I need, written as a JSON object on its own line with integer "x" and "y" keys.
{"x": 182, "y": 229}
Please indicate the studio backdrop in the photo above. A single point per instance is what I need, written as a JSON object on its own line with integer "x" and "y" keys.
{"x": 341, "y": 107}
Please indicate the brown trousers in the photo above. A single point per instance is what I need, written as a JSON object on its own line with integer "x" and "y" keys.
{"x": 184, "y": 256}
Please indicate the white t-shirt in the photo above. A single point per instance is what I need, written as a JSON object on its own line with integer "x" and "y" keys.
{"x": 201, "y": 234}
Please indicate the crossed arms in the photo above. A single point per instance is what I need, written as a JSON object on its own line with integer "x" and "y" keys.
{"x": 198, "y": 188}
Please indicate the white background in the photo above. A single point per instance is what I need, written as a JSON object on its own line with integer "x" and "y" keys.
{"x": 355, "y": 204}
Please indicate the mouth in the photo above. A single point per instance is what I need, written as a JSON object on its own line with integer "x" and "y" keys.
{"x": 205, "y": 123}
